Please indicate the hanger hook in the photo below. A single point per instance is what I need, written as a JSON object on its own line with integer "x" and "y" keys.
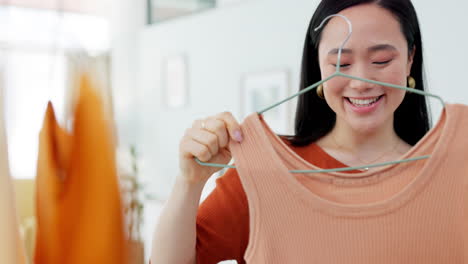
{"x": 350, "y": 31}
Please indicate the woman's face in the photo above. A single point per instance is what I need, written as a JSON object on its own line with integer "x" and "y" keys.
{"x": 377, "y": 50}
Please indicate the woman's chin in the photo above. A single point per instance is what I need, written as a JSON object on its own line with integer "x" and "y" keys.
{"x": 366, "y": 126}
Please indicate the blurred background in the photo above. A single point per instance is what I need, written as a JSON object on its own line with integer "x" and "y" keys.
{"x": 168, "y": 62}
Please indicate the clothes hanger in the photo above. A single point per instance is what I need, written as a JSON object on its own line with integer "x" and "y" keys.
{"x": 338, "y": 73}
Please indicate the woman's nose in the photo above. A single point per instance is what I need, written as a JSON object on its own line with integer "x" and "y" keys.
{"x": 361, "y": 86}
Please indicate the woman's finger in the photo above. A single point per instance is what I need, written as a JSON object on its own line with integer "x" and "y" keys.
{"x": 232, "y": 125}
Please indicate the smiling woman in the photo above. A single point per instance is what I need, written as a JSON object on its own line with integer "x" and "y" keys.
{"x": 364, "y": 111}
{"x": 366, "y": 120}
{"x": 260, "y": 212}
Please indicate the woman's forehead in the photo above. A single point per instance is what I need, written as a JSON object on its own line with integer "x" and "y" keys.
{"x": 372, "y": 26}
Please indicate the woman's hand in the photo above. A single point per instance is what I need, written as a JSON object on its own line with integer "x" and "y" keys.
{"x": 207, "y": 140}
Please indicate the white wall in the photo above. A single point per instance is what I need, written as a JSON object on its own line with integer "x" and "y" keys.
{"x": 220, "y": 46}
{"x": 251, "y": 35}
{"x": 127, "y": 18}
{"x": 444, "y": 30}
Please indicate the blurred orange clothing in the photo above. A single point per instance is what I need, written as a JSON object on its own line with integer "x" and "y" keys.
{"x": 78, "y": 203}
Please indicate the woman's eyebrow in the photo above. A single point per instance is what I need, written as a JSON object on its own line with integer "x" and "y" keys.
{"x": 374, "y": 48}
{"x": 381, "y": 47}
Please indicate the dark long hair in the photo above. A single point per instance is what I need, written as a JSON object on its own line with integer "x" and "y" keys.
{"x": 314, "y": 118}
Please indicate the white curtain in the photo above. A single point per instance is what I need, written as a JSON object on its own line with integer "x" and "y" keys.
{"x": 11, "y": 245}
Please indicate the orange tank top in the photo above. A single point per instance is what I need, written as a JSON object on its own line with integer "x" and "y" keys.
{"x": 223, "y": 217}
{"x": 413, "y": 212}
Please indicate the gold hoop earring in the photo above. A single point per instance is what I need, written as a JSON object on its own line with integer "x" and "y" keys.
{"x": 320, "y": 91}
{"x": 411, "y": 82}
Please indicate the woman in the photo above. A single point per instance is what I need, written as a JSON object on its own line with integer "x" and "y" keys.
{"x": 345, "y": 122}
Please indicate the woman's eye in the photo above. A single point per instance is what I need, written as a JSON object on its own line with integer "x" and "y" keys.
{"x": 376, "y": 62}
{"x": 341, "y": 65}
{"x": 382, "y": 62}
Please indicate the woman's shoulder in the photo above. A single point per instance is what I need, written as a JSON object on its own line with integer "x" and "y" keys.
{"x": 458, "y": 116}
{"x": 459, "y": 107}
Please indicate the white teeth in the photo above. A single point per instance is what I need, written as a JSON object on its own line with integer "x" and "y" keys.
{"x": 366, "y": 102}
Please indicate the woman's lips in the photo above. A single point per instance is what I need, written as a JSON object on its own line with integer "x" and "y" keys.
{"x": 364, "y": 105}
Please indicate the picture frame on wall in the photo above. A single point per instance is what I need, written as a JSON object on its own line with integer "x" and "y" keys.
{"x": 175, "y": 81}
{"x": 262, "y": 89}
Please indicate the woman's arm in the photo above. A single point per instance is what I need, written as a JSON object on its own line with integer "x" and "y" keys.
{"x": 208, "y": 139}
{"x": 175, "y": 235}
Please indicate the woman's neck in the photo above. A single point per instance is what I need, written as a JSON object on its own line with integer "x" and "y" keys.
{"x": 359, "y": 147}
{"x": 362, "y": 141}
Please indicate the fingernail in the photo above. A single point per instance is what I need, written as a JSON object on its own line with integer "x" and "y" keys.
{"x": 238, "y": 135}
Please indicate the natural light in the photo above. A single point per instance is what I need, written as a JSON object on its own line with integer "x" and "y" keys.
{"x": 34, "y": 63}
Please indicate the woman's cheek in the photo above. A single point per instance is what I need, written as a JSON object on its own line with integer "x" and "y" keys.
{"x": 335, "y": 85}
{"x": 394, "y": 75}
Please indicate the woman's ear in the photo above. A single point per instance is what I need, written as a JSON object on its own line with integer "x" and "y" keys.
{"x": 410, "y": 61}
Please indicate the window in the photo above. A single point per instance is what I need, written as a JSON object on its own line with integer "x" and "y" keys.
{"x": 34, "y": 62}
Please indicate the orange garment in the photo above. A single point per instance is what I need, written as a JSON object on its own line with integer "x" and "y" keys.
{"x": 79, "y": 213}
{"x": 223, "y": 217}
{"x": 414, "y": 212}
